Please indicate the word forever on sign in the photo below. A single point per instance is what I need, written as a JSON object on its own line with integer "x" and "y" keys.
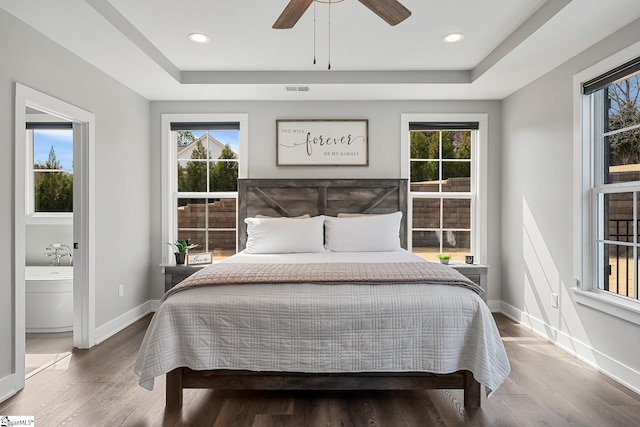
{"x": 322, "y": 142}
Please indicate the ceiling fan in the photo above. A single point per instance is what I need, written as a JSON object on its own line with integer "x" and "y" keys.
{"x": 390, "y": 10}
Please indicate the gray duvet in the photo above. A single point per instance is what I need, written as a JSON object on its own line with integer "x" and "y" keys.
{"x": 311, "y": 327}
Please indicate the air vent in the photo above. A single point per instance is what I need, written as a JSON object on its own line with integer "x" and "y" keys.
{"x": 297, "y": 88}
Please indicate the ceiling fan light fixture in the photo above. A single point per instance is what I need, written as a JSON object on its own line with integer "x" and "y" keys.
{"x": 198, "y": 37}
{"x": 453, "y": 38}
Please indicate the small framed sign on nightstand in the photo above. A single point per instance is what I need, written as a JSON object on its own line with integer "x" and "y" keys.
{"x": 199, "y": 258}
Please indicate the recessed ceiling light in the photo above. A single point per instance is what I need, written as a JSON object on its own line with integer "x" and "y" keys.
{"x": 453, "y": 37}
{"x": 198, "y": 37}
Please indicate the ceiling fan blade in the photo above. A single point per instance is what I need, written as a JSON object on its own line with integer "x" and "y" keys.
{"x": 390, "y": 10}
{"x": 291, "y": 14}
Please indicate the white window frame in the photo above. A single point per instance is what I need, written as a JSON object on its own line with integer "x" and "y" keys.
{"x": 31, "y": 216}
{"x": 585, "y": 142}
{"x": 169, "y": 170}
{"x": 479, "y": 172}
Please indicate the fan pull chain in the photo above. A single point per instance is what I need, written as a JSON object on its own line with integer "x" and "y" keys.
{"x": 329, "y": 54}
{"x": 314, "y": 33}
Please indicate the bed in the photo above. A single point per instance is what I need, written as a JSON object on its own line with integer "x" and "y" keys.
{"x": 329, "y": 300}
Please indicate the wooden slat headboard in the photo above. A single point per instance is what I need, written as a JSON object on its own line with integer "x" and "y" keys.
{"x": 294, "y": 197}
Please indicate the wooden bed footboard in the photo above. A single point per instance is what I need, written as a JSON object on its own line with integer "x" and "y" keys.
{"x": 181, "y": 378}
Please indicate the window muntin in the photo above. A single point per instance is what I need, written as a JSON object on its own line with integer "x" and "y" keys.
{"x": 616, "y": 188}
{"x": 441, "y": 192}
{"x": 206, "y": 188}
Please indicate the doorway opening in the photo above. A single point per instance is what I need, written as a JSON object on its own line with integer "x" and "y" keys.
{"x": 48, "y": 240}
{"x": 54, "y": 230}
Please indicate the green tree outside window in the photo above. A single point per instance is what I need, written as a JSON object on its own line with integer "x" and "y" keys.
{"x": 53, "y": 190}
{"x": 223, "y": 174}
{"x": 426, "y": 147}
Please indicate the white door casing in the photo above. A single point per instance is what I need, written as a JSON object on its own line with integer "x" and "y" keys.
{"x": 83, "y": 220}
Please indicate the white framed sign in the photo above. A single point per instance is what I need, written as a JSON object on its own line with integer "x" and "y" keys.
{"x": 199, "y": 258}
{"x": 322, "y": 142}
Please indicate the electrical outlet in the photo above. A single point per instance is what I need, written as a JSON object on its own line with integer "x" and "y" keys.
{"x": 120, "y": 290}
{"x": 554, "y": 300}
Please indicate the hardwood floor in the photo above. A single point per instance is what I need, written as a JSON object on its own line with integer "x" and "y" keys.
{"x": 45, "y": 349}
{"x": 547, "y": 386}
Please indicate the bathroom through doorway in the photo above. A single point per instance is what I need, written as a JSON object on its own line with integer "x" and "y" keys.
{"x": 81, "y": 224}
{"x": 48, "y": 240}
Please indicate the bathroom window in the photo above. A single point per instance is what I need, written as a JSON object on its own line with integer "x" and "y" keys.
{"x": 49, "y": 169}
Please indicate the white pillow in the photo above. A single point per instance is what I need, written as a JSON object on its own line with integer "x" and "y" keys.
{"x": 284, "y": 235}
{"x": 375, "y": 233}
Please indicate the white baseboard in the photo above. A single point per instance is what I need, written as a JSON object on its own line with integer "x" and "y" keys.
{"x": 621, "y": 373}
{"x": 119, "y": 323}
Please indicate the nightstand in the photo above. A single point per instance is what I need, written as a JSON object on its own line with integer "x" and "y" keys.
{"x": 476, "y": 273}
{"x": 176, "y": 274}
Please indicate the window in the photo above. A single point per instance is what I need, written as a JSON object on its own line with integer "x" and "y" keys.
{"x": 49, "y": 169}
{"x": 607, "y": 185}
{"x": 203, "y": 164}
{"x": 447, "y": 197}
{"x": 614, "y": 113}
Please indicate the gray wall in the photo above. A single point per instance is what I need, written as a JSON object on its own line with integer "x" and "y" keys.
{"x": 384, "y": 150}
{"x": 537, "y": 215}
{"x": 122, "y": 170}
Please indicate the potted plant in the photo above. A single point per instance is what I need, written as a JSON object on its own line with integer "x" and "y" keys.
{"x": 181, "y": 248}
{"x": 444, "y": 258}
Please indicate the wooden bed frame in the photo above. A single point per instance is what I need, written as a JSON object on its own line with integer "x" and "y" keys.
{"x": 280, "y": 197}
